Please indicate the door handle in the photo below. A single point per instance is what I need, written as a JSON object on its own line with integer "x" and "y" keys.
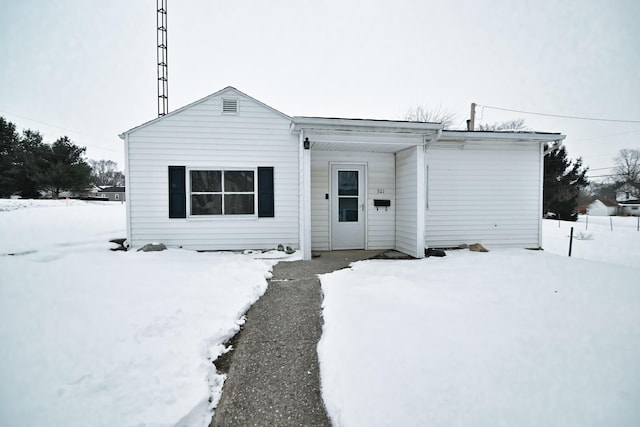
{"x": 362, "y": 207}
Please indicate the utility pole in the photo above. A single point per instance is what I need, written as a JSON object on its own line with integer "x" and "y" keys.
{"x": 163, "y": 67}
{"x": 471, "y": 123}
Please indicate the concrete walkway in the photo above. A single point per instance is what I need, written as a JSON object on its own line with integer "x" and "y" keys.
{"x": 273, "y": 377}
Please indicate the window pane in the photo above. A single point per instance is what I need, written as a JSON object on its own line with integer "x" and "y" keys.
{"x": 206, "y": 204}
{"x": 347, "y": 209}
{"x": 238, "y": 204}
{"x": 238, "y": 181}
{"x": 206, "y": 181}
{"x": 347, "y": 183}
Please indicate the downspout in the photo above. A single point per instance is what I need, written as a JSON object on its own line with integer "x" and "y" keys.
{"x": 127, "y": 186}
{"x": 427, "y": 143}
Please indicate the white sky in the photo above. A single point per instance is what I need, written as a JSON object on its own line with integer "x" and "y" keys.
{"x": 89, "y": 68}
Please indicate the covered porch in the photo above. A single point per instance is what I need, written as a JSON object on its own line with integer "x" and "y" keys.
{"x": 362, "y": 184}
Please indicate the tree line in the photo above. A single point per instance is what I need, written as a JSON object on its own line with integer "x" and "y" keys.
{"x": 29, "y": 166}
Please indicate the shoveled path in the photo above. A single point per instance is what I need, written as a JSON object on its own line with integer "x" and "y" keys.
{"x": 273, "y": 379}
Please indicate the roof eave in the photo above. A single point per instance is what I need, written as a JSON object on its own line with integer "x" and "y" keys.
{"x": 299, "y": 123}
{"x": 449, "y": 135}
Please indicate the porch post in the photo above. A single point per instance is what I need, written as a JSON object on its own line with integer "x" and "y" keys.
{"x": 305, "y": 198}
{"x": 421, "y": 200}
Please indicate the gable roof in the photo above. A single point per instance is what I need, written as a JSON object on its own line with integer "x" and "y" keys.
{"x": 606, "y": 202}
{"x": 200, "y": 101}
{"x": 364, "y": 125}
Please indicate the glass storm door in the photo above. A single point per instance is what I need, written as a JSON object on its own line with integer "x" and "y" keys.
{"x": 347, "y": 207}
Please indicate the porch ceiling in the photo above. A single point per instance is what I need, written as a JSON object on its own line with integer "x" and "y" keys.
{"x": 360, "y": 146}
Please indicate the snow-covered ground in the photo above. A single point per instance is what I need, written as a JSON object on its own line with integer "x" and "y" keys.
{"x": 610, "y": 239}
{"x": 94, "y": 337}
{"x": 505, "y": 338}
{"x": 510, "y": 337}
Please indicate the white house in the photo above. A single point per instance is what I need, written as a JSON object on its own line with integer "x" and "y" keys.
{"x": 602, "y": 208}
{"x": 228, "y": 172}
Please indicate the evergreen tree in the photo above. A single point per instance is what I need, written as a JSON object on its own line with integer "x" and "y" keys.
{"x": 563, "y": 179}
{"x": 8, "y": 143}
{"x": 28, "y": 164}
{"x": 65, "y": 168}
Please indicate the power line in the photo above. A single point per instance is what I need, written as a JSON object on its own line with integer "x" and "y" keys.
{"x": 97, "y": 147}
{"x": 596, "y": 119}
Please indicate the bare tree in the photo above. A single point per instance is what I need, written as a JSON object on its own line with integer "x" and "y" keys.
{"x": 105, "y": 172}
{"x": 516, "y": 124}
{"x": 627, "y": 166}
{"x": 436, "y": 115}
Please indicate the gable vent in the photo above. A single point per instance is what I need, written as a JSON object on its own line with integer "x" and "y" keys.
{"x": 229, "y": 106}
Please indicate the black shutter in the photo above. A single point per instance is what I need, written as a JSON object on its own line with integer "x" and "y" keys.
{"x": 177, "y": 192}
{"x": 265, "y": 192}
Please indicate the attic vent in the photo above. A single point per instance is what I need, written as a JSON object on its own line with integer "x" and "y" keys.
{"x": 229, "y": 106}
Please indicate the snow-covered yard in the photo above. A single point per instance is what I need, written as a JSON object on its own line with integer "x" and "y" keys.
{"x": 505, "y": 338}
{"x": 94, "y": 337}
{"x": 510, "y": 337}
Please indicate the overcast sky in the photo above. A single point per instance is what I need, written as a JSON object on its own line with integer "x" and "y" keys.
{"x": 88, "y": 69}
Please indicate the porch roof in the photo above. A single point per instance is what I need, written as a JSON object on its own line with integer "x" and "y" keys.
{"x": 386, "y": 136}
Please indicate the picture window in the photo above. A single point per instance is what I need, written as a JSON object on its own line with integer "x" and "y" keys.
{"x": 222, "y": 192}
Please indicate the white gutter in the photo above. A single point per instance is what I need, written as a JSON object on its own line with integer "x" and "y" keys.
{"x": 361, "y": 125}
{"x": 462, "y": 136}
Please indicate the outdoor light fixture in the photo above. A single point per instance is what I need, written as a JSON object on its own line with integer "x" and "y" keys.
{"x": 307, "y": 143}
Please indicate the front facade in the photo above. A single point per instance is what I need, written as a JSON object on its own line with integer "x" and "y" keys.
{"x": 229, "y": 172}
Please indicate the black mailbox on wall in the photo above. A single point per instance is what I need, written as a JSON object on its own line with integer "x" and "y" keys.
{"x": 381, "y": 203}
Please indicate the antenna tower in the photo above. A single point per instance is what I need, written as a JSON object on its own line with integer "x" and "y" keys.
{"x": 163, "y": 68}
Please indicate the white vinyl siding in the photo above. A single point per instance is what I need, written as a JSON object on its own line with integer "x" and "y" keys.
{"x": 486, "y": 192}
{"x": 380, "y": 233}
{"x": 200, "y": 137}
{"x": 406, "y": 208}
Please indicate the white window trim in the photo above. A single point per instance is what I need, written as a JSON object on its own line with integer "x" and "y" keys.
{"x": 224, "y": 216}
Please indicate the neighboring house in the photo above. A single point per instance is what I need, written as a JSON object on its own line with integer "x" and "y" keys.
{"x": 630, "y": 208}
{"x": 113, "y": 193}
{"x": 228, "y": 172}
{"x": 602, "y": 208}
{"x": 628, "y": 192}
{"x": 88, "y": 192}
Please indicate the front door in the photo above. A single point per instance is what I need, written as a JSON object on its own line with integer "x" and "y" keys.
{"x": 347, "y": 207}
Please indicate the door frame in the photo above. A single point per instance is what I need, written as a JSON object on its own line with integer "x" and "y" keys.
{"x": 332, "y": 199}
